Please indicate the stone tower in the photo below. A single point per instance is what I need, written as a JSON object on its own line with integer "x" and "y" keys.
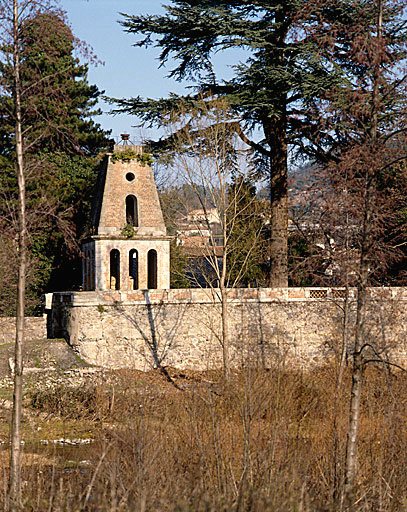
{"x": 129, "y": 248}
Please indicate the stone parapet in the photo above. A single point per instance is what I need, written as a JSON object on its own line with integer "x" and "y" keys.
{"x": 182, "y": 327}
{"x": 121, "y": 148}
{"x": 212, "y": 295}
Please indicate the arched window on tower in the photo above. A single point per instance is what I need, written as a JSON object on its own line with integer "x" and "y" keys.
{"x": 131, "y": 211}
{"x": 86, "y": 271}
{"x": 92, "y": 269}
{"x": 152, "y": 269}
{"x": 133, "y": 268}
{"x": 114, "y": 269}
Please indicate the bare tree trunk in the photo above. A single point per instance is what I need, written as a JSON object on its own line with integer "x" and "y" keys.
{"x": 344, "y": 347}
{"x": 346, "y": 313}
{"x": 358, "y": 362}
{"x": 278, "y": 203}
{"x": 224, "y": 300}
{"x": 225, "y": 332}
{"x": 365, "y": 248}
{"x": 338, "y": 474}
{"x": 356, "y": 391}
{"x": 15, "y": 484}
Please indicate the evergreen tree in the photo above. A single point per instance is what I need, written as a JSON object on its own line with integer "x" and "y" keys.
{"x": 283, "y": 67}
{"x": 247, "y": 261}
{"x": 61, "y": 144}
{"x": 178, "y": 265}
{"x": 59, "y": 102}
{"x": 362, "y": 127}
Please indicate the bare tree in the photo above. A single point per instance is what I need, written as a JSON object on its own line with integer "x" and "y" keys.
{"x": 22, "y": 251}
{"x": 207, "y": 158}
{"x": 362, "y": 126}
{"x": 22, "y": 98}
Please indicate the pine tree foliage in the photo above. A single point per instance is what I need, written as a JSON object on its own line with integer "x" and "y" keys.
{"x": 362, "y": 128}
{"x": 247, "y": 258}
{"x": 61, "y": 143}
{"x": 282, "y": 68}
{"x": 178, "y": 266}
{"x": 57, "y": 100}
{"x": 360, "y": 132}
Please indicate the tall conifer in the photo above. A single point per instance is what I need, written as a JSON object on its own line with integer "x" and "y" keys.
{"x": 60, "y": 143}
{"x": 281, "y": 67}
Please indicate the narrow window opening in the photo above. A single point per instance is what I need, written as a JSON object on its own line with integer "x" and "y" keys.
{"x": 131, "y": 211}
{"x": 89, "y": 270}
{"x": 89, "y": 263}
{"x": 133, "y": 268}
{"x": 152, "y": 269}
{"x": 114, "y": 269}
{"x": 92, "y": 270}
{"x": 86, "y": 271}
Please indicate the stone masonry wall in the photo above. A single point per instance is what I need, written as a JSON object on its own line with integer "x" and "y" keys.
{"x": 181, "y": 328}
{"x": 35, "y": 329}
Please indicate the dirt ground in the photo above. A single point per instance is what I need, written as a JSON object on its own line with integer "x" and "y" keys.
{"x": 55, "y": 377}
{"x": 41, "y": 355}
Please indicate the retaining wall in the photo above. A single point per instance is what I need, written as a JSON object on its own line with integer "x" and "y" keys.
{"x": 181, "y": 328}
{"x": 35, "y": 329}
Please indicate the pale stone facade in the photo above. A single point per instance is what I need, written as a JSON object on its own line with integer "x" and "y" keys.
{"x": 126, "y": 198}
{"x": 101, "y": 247}
{"x": 182, "y": 328}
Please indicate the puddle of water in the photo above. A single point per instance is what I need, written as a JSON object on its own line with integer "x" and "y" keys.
{"x": 63, "y": 453}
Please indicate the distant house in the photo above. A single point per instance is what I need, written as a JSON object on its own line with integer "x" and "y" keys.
{"x": 199, "y": 229}
{"x": 200, "y": 235}
{"x": 209, "y": 216}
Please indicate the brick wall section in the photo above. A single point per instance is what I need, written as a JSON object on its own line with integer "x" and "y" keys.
{"x": 181, "y": 328}
{"x": 115, "y": 189}
{"x": 35, "y": 329}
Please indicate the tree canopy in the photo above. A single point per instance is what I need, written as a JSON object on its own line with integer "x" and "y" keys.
{"x": 61, "y": 143}
{"x": 282, "y": 69}
{"x": 246, "y": 260}
{"x": 57, "y": 101}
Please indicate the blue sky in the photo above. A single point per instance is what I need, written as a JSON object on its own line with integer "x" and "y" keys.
{"x": 127, "y": 71}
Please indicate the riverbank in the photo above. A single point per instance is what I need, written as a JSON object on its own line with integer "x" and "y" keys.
{"x": 188, "y": 441}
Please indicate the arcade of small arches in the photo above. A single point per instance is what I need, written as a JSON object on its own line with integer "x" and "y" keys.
{"x": 141, "y": 270}
{"x": 114, "y": 280}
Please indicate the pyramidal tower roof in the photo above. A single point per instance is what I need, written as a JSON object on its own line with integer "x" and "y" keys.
{"x": 126, "y": 194}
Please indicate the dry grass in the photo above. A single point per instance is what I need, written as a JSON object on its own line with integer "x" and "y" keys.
{"x": 269, "y": 440}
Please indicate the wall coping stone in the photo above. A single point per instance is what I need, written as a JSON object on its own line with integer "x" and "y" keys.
{"x": 212, "y": 295}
